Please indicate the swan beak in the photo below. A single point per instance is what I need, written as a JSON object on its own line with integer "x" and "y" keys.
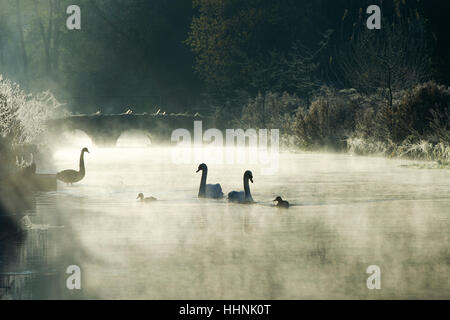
{"x": 197, "y": 171}
{"x": 251, "y": 180}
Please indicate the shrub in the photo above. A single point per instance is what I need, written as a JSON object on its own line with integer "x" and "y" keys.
{"x": 328, "y": 122}
{"x": 23, "y": 116}
{"x": 416, "y": 125}
{"x": 272, "y": 111}
{"x": 421, "y": 112}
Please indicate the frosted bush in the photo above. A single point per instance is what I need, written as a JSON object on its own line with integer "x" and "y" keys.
{"x": 23, "y": 116}
{"x": 328, "y": 122}
{"x": 422, "y": 150}
{"x": 362, "y": 146}
{"x": 11, "y": 98}
{"x": 270, "y": 110}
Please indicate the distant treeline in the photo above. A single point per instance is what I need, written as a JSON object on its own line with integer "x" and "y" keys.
{"x": 314, "y": 70}
{"x": 209, "y": 55}
{"x": 311, "y": 65}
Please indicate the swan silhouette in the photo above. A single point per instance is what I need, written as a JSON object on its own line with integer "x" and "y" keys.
{"x": 243, "y": 196}
{"x": 213, "y": 191}
{"x": 71, "y": 176}
{"x": 281, "y": 203}
{"x": 142, "y": 199}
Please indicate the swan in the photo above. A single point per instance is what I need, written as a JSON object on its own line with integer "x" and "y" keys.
{"x": 213, "y": 191}
{"x": 243, "y": 196}
{"x": 142, "y": 199}
{"x": 281, "y": 203}
{"x": 71, "y": 176}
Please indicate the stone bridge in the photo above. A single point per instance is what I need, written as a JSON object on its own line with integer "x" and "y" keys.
{"x": 104, "y": 130}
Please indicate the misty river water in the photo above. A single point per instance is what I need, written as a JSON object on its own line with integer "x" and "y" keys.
{"x": 347, "y": 213}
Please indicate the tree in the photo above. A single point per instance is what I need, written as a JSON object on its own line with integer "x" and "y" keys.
{"x": 50, "y": 33}
{"x": 257, "y": 44}
{"x": 391, "y": 59}
{"x": 22, "y": 115}
{"x": 22, "y": 38}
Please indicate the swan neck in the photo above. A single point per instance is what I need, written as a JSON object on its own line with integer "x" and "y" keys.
{"x": 246, "y": 188}
{"x": 82, "y": 168}
{"x": 202, "y": 189}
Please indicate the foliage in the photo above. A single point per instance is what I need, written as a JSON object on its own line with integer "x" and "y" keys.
{"x": 394, "y": 58}
{"x": 272, "y": 57}
{"x": 415, "y": 126}
{"x": 259, "y": 45}
{"x": 421, "y": 150}
{"x": 271, "y": 110}
{"x": 418, "y": 113}
{"x": 126, "y": 53}
{"x": 143, "y": 53}
{"x": 327, "y": 122}
{"x": 23, "y": 116}
{"x": 422, "y": 112}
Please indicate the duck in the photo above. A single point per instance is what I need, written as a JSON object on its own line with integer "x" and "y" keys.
{"x": 281, "y": 203}
{"x": 72, "y": 176}
{"x": 213, "y": 191}
{"x": 243, "y": 196}
{"x": 143, "y": 199}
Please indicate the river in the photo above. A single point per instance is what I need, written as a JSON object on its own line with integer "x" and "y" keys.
{"x": 347, "y": 213}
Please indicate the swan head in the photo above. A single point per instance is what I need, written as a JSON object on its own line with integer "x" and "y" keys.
{"x": 202, "y": 167}
{"x": 248, "y": 175}
{"x": 140, "y": 196}
{"x": 278, "y": 199}
{"x": 85, "y": 150}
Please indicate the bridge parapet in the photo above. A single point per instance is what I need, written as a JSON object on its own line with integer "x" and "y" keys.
{"x": 104, "y": 130}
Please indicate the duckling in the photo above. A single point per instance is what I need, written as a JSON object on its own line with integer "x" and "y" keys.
{"x": 281, "y": 203}
{"x": 142, "y": 199}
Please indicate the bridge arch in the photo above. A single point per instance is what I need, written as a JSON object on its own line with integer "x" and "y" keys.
{"x": 76, "y": 138}
{"x": 134, "y": 138}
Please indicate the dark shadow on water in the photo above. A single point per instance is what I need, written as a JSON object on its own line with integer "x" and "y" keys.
{"x": 35, "y": 250}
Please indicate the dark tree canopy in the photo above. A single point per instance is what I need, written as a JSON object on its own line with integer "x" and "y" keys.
{"x": 164, "y": 54}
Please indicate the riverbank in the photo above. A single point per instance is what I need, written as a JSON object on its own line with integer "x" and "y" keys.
{"x": 422, "y": 150}
{"x": 415, "y": 124}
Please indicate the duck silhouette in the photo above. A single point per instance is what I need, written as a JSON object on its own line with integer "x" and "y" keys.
{"x": 280, "y": 203}
{"x": 143, "y": 199}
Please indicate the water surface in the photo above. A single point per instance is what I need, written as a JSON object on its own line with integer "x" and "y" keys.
{"x": 347, "y": 213}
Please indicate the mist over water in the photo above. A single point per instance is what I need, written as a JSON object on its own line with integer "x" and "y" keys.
{"x": 346, "y": 213}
